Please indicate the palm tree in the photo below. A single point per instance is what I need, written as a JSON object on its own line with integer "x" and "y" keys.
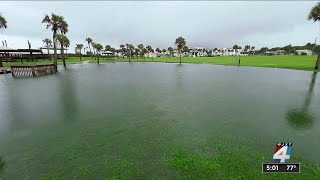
{"x": 123, "y": 50}
{"x": 3, "y": 25}
{"x": 3, "y": 22}
{"x": 164, "y": 50}
{"x": 89, "y": 41}
{"x": 79, "y": 48}
{"x": 170, "y": 49}
{"x": 186, "y": 49}
{"x": 148, "y": 48}
{"x": 143, "y": 52}
{"x": 130, "y": 47}
{"x": 152, "y": 51}
{"x": 158, "y": 50}
{"x": 253, "y": 49}
{"x": 246, "y": 48}
{"x": 58, "y": 25}
{"x": 314, "y": 15}
{"x": 47, "y": 43}
{"x": 236, "y": 47}
{"x": 98, "y": 47}
{"x": 93, "y": 44}
{"x": 141, "y": 47}
{"x": 107, "y": 48}
{"x": 64, "y": 43}
{"x": 180, "y": 43}
{"x": 137, "y": 52}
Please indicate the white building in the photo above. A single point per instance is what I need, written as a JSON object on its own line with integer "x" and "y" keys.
{"x": 306, "y": 51}
{"x": 150, "y": 54}
{"x": 228, "y": 52}
{"x": 197, "y": 52}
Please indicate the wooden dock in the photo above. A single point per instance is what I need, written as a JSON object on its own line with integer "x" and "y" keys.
{"x": 31, "y": 71}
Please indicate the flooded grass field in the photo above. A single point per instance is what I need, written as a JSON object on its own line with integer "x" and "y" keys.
{"x": 158, "y": 121}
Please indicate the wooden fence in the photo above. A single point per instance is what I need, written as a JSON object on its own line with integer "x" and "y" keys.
{"x": 38, "y": 70}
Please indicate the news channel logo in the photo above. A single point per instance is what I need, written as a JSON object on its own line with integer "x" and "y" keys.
{"x": 282, "y": 152}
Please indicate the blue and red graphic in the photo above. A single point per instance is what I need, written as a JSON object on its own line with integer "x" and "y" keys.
{"x": 282, "y": 152}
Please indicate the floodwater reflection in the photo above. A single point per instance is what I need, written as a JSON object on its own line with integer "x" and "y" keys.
{"x": 68, "y": 95}
{"x": 302, "y": 119}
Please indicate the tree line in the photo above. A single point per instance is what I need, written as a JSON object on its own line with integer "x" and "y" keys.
{"x": 128, "y": 50}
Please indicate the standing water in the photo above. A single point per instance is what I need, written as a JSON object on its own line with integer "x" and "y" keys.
{"x": 129, "y": 119}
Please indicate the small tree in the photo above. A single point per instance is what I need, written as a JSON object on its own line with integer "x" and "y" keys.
{"x": 185, "y": 50}
{"x": 94, "y": 46}
{"x": 98, "y": 47}
{"x": 107, "y": 48}
{"x": 123, "y": 50}
{"x": 130, "y": 49}
{"x": 170, "y": 49}
{"x": 47, "y": 43}
{"x": 246, "y": 48}
{"x": 141, "y": 47}
{"x": 79, "y": 48}
{"x": 89, "y": 41}
{"x": 63, "y": 42}
{"x": 253, "y": 49}
{"x": 152, "y": 51}
{"x": 148, "y": 48}
{"x": 137, "y": 52}
{"x": 158, "y": 50}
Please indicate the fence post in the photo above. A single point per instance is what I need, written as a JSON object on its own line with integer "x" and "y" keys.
{"x": 12, "y": 71}
{"x": 33, "y": 71}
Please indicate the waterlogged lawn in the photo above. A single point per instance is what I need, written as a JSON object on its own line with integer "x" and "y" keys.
{"x": 157, "y": 121}
{"x": 235, "y": 162}
{"x": 286, "y": 62}
{"x": 231, "y": 158}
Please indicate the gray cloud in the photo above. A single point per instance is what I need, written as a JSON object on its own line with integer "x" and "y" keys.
{"x": 205, "y": 24}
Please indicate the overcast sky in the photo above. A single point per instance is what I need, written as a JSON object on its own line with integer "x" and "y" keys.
{"x": 203, "y": 24}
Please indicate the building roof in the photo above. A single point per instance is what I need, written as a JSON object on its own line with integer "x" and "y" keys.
{"x": 107, "y": 52}
{"x": 304, "y": 50}
{"x": 7, "y": 49}
{"x": 51, "y": 48}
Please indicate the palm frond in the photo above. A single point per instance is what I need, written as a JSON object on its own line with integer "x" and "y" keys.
{"x": 3, "y": 22}
{"x": 314, "y": 13}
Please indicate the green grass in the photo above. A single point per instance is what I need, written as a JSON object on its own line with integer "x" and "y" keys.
{"x": 286, "y": 62}
{"x": 238, "y": 162}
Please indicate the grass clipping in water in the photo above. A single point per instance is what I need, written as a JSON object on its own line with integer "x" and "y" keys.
{"x": 2, "y": 166}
